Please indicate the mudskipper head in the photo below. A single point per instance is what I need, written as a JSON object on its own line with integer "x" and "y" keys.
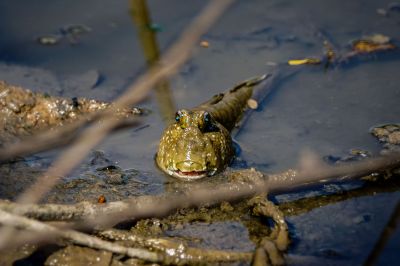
{"x": 194, "y": 146}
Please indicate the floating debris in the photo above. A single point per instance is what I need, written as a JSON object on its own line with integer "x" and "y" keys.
{"x": 373, "y": 43}
{"x": 71, "y": 32}
{"x": 75, "y": 29}
{"x": 378, "y": 38}
{"x": 252, "y": 104}
{"x": 365, "y": 46}
{"x": 360, "y": 153}
{"x": 352, "y": 156}
{"x": 49, "y": 39}
{"x": 204, "y": 44}
{"x": 305, "y": 61}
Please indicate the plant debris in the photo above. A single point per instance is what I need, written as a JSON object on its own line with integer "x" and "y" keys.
{"x": 305, "y": 61}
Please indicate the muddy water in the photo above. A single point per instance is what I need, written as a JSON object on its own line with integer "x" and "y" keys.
{"x": 326, "y": 111}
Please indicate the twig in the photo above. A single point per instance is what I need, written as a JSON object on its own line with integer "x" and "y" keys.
{"x": 77, "y": 237}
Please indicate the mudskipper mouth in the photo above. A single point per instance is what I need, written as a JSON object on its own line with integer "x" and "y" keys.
{"x": 190, "y": 170}
{"x": 190, "y": 174}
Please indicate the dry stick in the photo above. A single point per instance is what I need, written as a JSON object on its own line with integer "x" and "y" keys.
{"x": 92, "y": 136}
{"x": 77, "y": 237}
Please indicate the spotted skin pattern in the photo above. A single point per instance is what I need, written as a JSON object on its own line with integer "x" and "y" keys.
{"x": 199, "y": 144}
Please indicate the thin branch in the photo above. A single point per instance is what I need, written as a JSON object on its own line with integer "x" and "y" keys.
{"x": 77, "y": 237}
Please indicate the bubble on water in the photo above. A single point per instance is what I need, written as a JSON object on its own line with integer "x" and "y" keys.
{"x": 49, "y": 39}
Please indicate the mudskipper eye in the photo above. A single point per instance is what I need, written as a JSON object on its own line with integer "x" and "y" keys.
{"x": 181, "y": 119}
{"x": 178, "y": 116}
{"x": 209, "y": 125}
{"x": 207, "y": 118}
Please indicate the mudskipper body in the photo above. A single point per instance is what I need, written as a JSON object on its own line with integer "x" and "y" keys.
{"x": 198, "y": 143}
